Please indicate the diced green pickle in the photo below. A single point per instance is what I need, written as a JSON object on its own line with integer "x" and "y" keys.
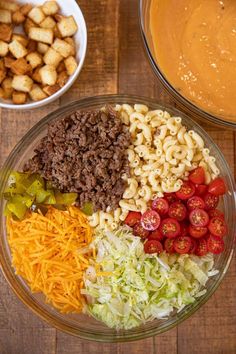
{"x": 65, "y": 198}
{"x": 87, "y": 208}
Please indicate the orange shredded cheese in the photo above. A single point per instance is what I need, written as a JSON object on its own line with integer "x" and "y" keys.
{"x": 46, "y": 253}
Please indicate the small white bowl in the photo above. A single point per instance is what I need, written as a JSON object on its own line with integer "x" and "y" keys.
{"x": 69, "y": 7}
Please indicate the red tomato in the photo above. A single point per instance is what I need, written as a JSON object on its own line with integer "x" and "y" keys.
{"x": 182, "y": 244}
{"x": 156, "y": 235}
{"x": 201, "y": 249}
{"x": 211, "y": 201}
{"x": 197, "y": 231}
{"x": 217, "y": 186}
{"x": 198, "y": 217}
{"x": 153, "y": 246}
{"x": 169, "y": 245}
{"x": 217, "y": 227}
{"x": 197, "y": 176}
{"x": 160, "y": 205}
{"x": 138, "y": 230}
{"x": 183, "y": 229}
{"x": 193, "y": 246}
{"x": 215, "y": 244}
{"x": 178, "y": 211}
{"x": 195, "y": 203}
{"x": 201, "y": 189}
{"x": 150, "y": 220}
{"x": 170, "y": 228}
{"x": 132, "y": 218}
{"x": 216, "y": 213}
{"x": 170, "y": 197}
{"x": 186, "y": 191}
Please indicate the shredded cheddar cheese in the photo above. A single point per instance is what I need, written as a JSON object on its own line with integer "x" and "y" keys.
{"x": 46, "y": 252}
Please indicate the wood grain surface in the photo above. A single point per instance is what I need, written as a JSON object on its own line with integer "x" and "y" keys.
{"x": 116, "y": 62}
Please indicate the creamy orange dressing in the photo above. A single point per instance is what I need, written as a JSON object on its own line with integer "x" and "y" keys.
{"x": 195, "y": 48}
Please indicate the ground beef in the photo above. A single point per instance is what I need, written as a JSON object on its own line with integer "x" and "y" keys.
{"x": 85, "y": 153}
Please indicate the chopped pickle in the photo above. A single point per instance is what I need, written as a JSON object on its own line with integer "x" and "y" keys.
{"x": 34, "y": 187}
{"x": 51, "y": 198}
{"x": 65, "y": 198}
{"x": 87, "y": 208}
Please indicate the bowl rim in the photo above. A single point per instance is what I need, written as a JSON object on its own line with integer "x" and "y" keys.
{"x": 69, "y": 83}
{"x": 180, "y": 99}
{"x": 42, "y": 312}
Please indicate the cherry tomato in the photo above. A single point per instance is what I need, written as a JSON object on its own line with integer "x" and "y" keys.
{"x": 160, "y": 205}
{"x": 169, "y": 245}
{"x": 197, "y": 176}
{"x": 183, "y": 229}
{"x": 170, "y": 197}
{"x": 193, "y": 246}
{"x": 198, "y": 217}
{"x": 178, "y": 211}
{"x": 182, "y": 244}
{"x": 170, "y": 228}
{"x": 132, "y": 218}
{"x": 195, "y": 203}
{"x": 217, "y": 186}
{"x": 215, "y": 244}
{"x": 153, "y": 246}
{"x": 217, "y": 227}
{"x": 138, "y": 230}
{"x": 201, "y": 249}
{"x": 216, "y": 213}
{"x": 150, "y": 220}
{"x": 156, "y": 235}
{"x": 201, "y": 189}
{"x": 211, "y": 201}
{"x": 186, "y": 191}
{"x": 197, "y": 231}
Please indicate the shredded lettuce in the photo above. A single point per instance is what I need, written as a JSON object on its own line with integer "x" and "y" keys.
{"x": 141, "y": 287}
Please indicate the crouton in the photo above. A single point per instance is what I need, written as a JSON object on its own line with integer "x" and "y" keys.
{"x": 8, "y": 61}
{"x": 7, "y": 87}
{"x": 18, "y": 17}
{"x": 5, "y": 16}
{"x": 25, "y": 9}
{"x": 48, "y": 23}
{"x": 17, "y": 49}
{"x": 36, "y": 93}
{"x": 71, "y": 41}
{"x": 62, "y": 47}
{"x": 20, "y": 67}
{"x": 50, "y": 90}
{"x": 1, "y": 93}
{"x": 57, "y": 33}
{"x": 36, "y": 15}
{"x": 67, "y": 26}
{"x": 5, "y": 32}
{"x": 22, "y": 83}
{"x": 48, "y": 75}
{"x": 62, "y": 78}
{"x": 61, "y": 67}
{"x": 36, "y": 75}
{"x": 50, "y": 7}
{"x": 3, "y": 49}
{"x": 9, "y": 5}
{"x": 19, "y": 97}
{"x": 20, "y": 38}
{"x": 42, "y": 48}
{"x": 27, "y": 25}
{"x": 2, "y": 66}
{"x": 71, "y": 65}
{"x": 34, "y": 59}
{"x": 52, "y": 57}
{"x": 2, "y": 75}
{"x": 44, "y": 35}
{"x": 32, "y": 46}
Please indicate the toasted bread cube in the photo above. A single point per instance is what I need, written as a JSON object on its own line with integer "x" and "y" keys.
{"x": 34, "y": 59}
{"x": 36, "y": 75}
{"x": 32, "y": 46}
{"x": 50, "y": 7}
{"x": 42, "y": 48}
{"x": 62, "y": 47}
{"x": 18, "y": 17}
{"x": 20, "y": 67}
{"x": 36, "y": 15}
{"x": 1, "y": 93}
{"x": 22, "y": 83}
{"x": 36, "y": 93}
{"x": 5, "y": 16}
{"x": 3, "y": 49}
{"x": 19, "y": 97}
{"x": 2, "y": 75}
{"x": 9, "y": 5}
{"x": 71, "y": 65}
{"x": 2, "y": 66}
{"x": 20, "y": 38}
{"x": 25, "y": 9}
{"x": 48, "y": 23}
{"x": 71, "y": 41}
{"x": 50, "y": 90}
{"x": 8, "y": 61}
{"x": 57, "y": 33}
{"x": 27, "y": 25}
{"x": 62, "y": 78}
{"x": 48, "y": 75}
{"x": 7, "y": 87}
{"x": 61, "y": 67}
{"x": 67, "y": 26}
{"x": 5, "y": 32}
{"x": 44, "y": 35}
{"x": 52, "y": 57}
{"x": 17, "y": 49}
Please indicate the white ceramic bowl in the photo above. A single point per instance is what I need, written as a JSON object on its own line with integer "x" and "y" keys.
{"x": 68, "y": 7}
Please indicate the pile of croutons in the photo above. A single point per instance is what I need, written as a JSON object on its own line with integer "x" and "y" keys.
{"x": 36, "y": 64}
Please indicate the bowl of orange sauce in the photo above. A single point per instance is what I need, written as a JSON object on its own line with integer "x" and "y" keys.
{"x": 191, "y": 45}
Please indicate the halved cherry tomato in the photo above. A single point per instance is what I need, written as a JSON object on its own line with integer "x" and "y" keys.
{"x": 138, "y": 230}
{"x": 186, "y": 191}
{"x": 150, "y": 220}
{"x": 132, "y": 218}
{"x": 201, "y": 249}
{"x": 160, "y": 205}
{"x": 182, "y": 244}
{"x": 195, "y": 203}
{"x": 217, "y": 186}
{"x": 183, "y": 229}
{"x": 170, "y": 228}
{"x": 211, "y": 201}
{"x": 197, "y": 231}
{"x": 197, "y": 176}
{"x": 178, "y": 211}
{"x": 217, "y": 227}
{"x": 216, "y": 213}
{"x": 201, "y": 189}
{"x": 156, "y": 235}
{"x": 170, "y": 197}
{"x": 169, "y": 245}
{"x": 193, "y": 246}
{"x": 198, "y": 217}
{"x": 153, "y": 246}
{"x": 215, "y": 244}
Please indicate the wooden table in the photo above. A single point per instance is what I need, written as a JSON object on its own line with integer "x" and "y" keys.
{"x": 116, "y": 62}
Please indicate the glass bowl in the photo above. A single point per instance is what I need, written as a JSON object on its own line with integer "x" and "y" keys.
{"x": 82, "y": 325}
{"x": 181, "y": 101}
